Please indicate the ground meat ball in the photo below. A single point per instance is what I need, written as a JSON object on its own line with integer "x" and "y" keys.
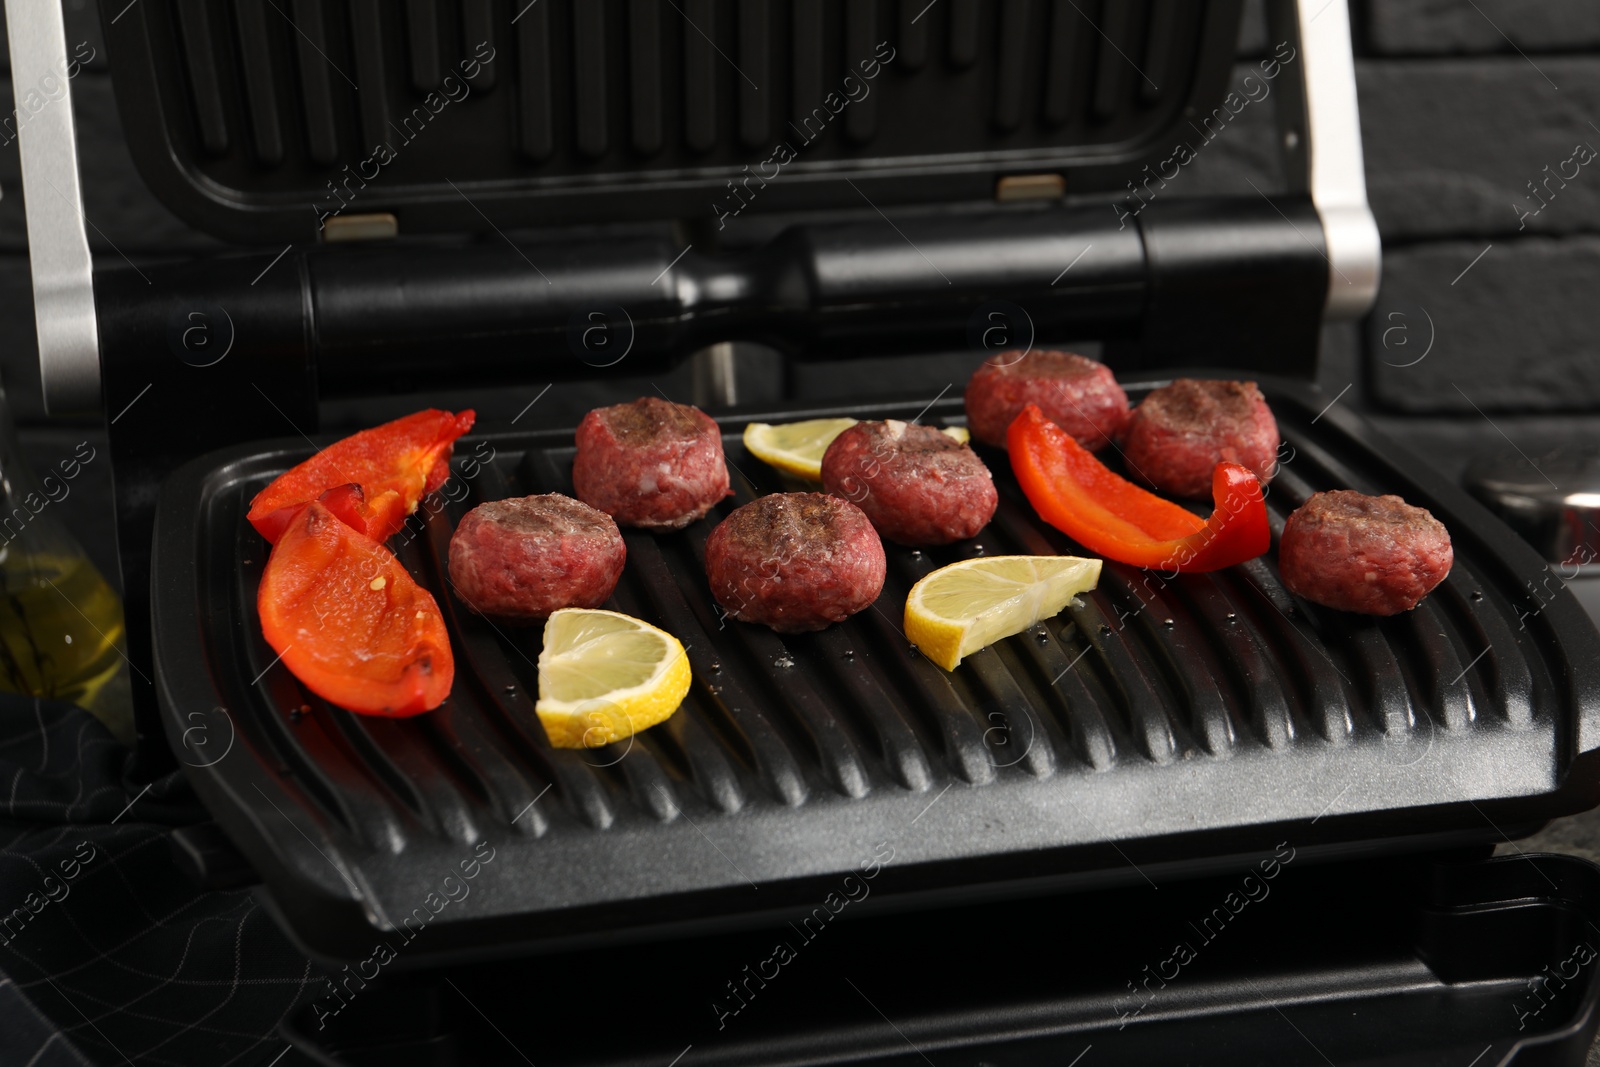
{"x": 1353, "y": 552}
{"x": 1179, "y": 434}
{"x": 795, "y": 561}
{"x": 522, "y": 559}
{"x": 1077, "y": 394}
{"x": 651, "y": 463}
{"x": 918, "y": 486}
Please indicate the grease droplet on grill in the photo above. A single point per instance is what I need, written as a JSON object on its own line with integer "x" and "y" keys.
{"x": 1477, "y": 594}
{"x": 848, "y": 654}
{"x": 916, "y": 553}
{"x": 977, "y": 550}
{"x": 1105, "y": 631}
{"x": 1168, "y": 623}
{"x": 783, "y": 661}
{"x": 1043, "y": 635}
{"x": 511, "y": 689}
{"x": 1232, "y": 617}
{"x": 716, "y": 665}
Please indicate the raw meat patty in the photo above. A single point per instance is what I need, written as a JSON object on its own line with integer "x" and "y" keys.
{"x": 918, "y": 486}
{"x": 1077, "y": 394}
{"x": 1353, "y": 552}
{"x": 1179, "y": 434}
{"x": 521, "y": 559}
{"x": 795, "y": 561}
{"x": 651, "y": 463}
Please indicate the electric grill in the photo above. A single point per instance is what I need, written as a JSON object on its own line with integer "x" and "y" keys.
{"x": 1160, "y": 730}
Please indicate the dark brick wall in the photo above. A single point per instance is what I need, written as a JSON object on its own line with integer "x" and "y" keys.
{"x": 1440, "y": 27}
{"x": 1517, "y": 332}
{"x": 1481, "y": 123}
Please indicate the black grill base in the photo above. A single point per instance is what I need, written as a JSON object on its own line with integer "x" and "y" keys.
{"x": 1102, "y": 742}
{"x": 1418, "y": 962}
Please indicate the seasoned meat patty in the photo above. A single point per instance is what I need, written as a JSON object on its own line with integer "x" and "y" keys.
{"x": 1077, "y": 394}
{"x": 651, "y": 463}
{"x": 795, "y": 561}
{"x": 521, "y": 559}
{"x": 918, "y": 486}
{"x": 1179, "y": 434}
{"x": 1353, "y": 552}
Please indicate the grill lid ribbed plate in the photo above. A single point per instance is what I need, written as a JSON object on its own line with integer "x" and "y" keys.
{"x": 1153, "y": 728}
{"x": 261, "y": 122}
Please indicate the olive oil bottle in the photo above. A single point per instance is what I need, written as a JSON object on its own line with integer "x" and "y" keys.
{"x": 61, "y": 626}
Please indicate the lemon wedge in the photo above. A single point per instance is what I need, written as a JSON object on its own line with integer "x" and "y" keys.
{"x": 604, "y": 676}
{"x": 959, "y": 609}
{"x": 796, "y": 447}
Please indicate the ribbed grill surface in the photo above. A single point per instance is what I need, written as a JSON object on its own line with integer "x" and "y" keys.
{"x": 269, "y": 99}
{"x": 1043, "y": 61}
{"x": 1153, "y": 707}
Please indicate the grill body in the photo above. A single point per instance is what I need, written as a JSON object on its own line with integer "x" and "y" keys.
{"x": 1406, "y": 963}
{"x": 1158, "y": 727}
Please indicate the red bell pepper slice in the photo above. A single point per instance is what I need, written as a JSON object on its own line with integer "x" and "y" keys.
{"x": 350, "y": 622}
{"x": 395, "y": 465}
{"x": 1109, "y": 515}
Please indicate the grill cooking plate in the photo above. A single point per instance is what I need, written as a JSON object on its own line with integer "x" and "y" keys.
{"x": 1160, "y": 728}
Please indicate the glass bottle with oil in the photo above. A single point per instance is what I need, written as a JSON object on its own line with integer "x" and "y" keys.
{"x": 61, "y": 629}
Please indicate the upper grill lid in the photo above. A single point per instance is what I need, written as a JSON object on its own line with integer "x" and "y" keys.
{"x": 258, "y": 121}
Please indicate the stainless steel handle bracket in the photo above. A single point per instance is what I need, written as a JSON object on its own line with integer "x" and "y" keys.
{"x": 1319, "y": 123}
{"x": 58, "y": 245}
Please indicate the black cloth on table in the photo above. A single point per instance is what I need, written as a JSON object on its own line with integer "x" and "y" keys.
{"x": 116, "y": 956}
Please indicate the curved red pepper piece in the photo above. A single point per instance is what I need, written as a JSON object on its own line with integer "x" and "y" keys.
{"x": 395, "y": 465}
{"x": 1110, "y": 516}
{"x": 349, "y": 621}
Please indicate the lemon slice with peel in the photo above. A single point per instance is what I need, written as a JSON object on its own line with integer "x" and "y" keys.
{"x": 604, "y": 676}
{"x": 959, "y": 609}
{"x": 796, "y": 447}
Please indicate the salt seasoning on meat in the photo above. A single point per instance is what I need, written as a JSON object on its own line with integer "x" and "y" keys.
{"x": 795, "y": 561}
{"x": 1353, "y": 552}
{"x": 918, "y": 485}
{"x": 1074, "y": 392}
{"x": 522, "y": 559}
{"x": 1180, "y": 432}
{"x": 650, "y": 463}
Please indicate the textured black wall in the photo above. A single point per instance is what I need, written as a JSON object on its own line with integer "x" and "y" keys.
{"x": 1482, "y": 138}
